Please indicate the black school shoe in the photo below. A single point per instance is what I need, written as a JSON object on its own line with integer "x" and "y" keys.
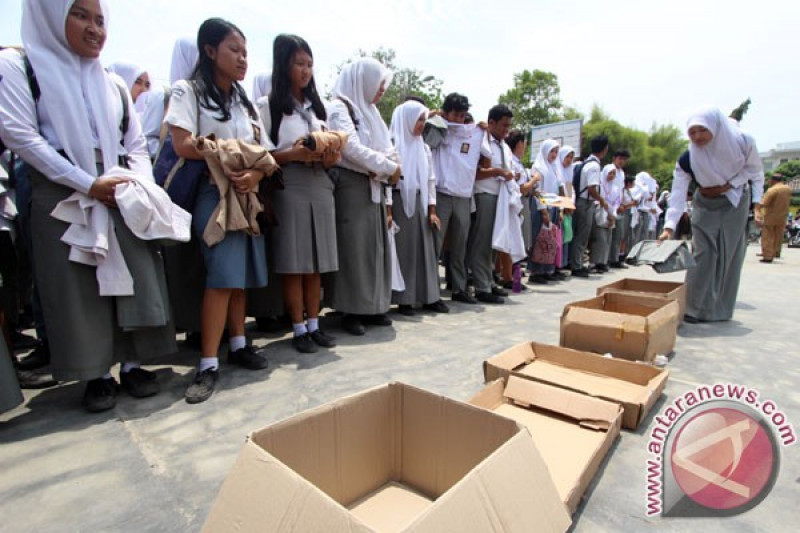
{"x": 100, "y": 395}
{"x": 248, "y": 358}
{"x": 539, "y": 279}
{"x": 352, "y": 325}
{"x": 202, "y": 386}
{"x": 304, "y": 344}
{"x": 437, "y": 307}
{"x": 38, "y": 358}
{"x": 498, "y": 291}
{"x": 618, "y": 265}
{"x": 31, "y": 379}
{"x": 376, "y": 320}
{"x": 139, "y": 383}
{"x": 463, "y": 297}
{"x": 322, "y": 339}
{"x": 405, "y": 309}
{"x": 489, "y": 298}
{"x": 580, "y": 273}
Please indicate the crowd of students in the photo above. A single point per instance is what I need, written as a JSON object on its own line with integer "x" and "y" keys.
{"x": 358, "y": 226}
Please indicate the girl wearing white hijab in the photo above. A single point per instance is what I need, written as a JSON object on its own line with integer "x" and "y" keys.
{"x": 545, "y": 172}
{"x": 413, "y": 209}
{"x": 134, "y": 76}
{"x": 262, "y": 86}
{"x": 566, "y": 157}
{"x": 184, "y": 59}
{"x": 362, "y": 287}
{"x": 722, "y": 160}
{"x": 601, "y": 233}
{"x": 69, "y": 137}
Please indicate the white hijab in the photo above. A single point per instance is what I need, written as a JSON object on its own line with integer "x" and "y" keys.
{"x": 548, "y": 170}
{"x": 79, "y": 95}
{"x": 262, "y": 86}
{"x": 127, "y": 71}
{"x": 722, "y": 158}
{"x": 564, "y": 173}
{"x": 357, "y": 84}
{"x": 416, "y": 167}
{"x": 610, "y": 189}
{"x": 184, "y": 59}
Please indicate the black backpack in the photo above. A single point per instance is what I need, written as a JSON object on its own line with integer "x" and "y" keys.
{"x": 685, "y": 162}
{"x": 576, "y": 178}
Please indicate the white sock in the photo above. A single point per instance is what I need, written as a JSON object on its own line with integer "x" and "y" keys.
{"x": 108, "y": 375}
{"x": 207, "y": 363}
{"x": 130, "y": 365}
{"x": 237, "y": 343}
{"x": 313, "y": 324}
{"x": 299, "y": 329}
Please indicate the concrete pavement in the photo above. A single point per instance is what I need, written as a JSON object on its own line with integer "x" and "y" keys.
{"x": 156, "y": 464}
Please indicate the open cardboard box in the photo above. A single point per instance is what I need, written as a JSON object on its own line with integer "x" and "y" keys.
{"x": 392, "y": 458}
{"x": 636, "y": 328}
{"x": 655, "y": 289}
{"x": 572, "y": 431}
{"x": 636, "y": 387}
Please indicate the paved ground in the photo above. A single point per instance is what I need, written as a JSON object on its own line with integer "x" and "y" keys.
{"x": 156, "y": 464}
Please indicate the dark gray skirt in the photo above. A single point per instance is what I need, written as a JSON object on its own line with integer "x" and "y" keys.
{"x": 416, "y": 254}
{"x": 719, "y": 244}
{"x": 305, "y": 238}
{"x": 87, "y": 332}
{"x": 267, "y": 301}
{"x": 363, "y": 283}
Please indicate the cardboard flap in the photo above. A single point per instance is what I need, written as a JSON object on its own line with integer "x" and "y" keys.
{"x": 592, "y": 413}
{"x": 503, "y": 363}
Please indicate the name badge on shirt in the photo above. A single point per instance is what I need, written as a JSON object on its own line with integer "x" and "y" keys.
{"x": 464, "y": 148}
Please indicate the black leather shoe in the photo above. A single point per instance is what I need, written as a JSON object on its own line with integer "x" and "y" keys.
{"x": 248, "y": 358}
{"x": 618, "y": 265}
{"x": 463, "y": 297}
{"x": 489, "y": 298}
{"x": 29, "y": 379}
{"x": 304, "y": 344}
{"x": 559, "y": 276}
{"x": 20, "y": 341}
{"x": 100, "y": 395}
{"x": 497, "y": 291}
{"x": 352, "y": 325}
{"x": 539, "y": 279}
{"x": 437, "y": 307}
{"x": 376, "y": 320}
{"x": 202, "y": 386}
{"x": 689, "y": 319}
{"x": 406, "y": 310}
{"x": 580, "y": 273}
{"x": 38, "y": 358}
{"x": 322, "y": 339}
{"x": 139, "y": 382}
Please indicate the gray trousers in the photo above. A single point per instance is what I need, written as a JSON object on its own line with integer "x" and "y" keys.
{"x": 453, "y": 212}
{"x": 601, "y": 242}
{"x": 642, "y": 227}
{"x": 616, "y": 240}
{"x": 582, "y": 222}
{"x": 479, "y": 248}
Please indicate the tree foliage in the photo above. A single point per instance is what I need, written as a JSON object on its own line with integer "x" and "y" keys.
{"x": 535, "y": 99}
{"x": 739, "y": 113}
{"x": 790, "y": 169}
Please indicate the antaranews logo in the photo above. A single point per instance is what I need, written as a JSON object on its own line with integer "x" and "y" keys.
{"x": 715, "y": 452}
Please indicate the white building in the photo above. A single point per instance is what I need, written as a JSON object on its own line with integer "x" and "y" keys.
{"x": 782, "y": 153}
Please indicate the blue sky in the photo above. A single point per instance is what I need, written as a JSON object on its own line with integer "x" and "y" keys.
{"x": 642, "y": 61}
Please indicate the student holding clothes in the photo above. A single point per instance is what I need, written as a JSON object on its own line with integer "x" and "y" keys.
{"x": 546, "y": 174}
{"x": 304, "y": 243}
{"x": 413, "y": 209}
{"x": 81, "y": 126}
{"x": 362, "y": 288}
{"x": 605, "y": 218}
{"x": 724, "y": 163}
{"x": 212, "y": 102}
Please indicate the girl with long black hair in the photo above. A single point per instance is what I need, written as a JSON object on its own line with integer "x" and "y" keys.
{"x": 212, "y": 101}
{"x": 304, "y": 242}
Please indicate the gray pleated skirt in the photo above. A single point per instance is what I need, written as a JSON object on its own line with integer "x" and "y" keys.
{"x": 416, "y": 254}
{"x": 239, "y": 261}
{"x": 527, "y": 223}
{"x": 305, "y": 238}
{"x": 719, "y": 243}
{"x": 87, "y": 332}
{"x": 363, "y": 283}
{"x": 10, "y": 393}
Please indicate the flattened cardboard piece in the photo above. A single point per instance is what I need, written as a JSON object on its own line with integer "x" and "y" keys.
{"x": 636, "y": 328}
{"x": 441, "y": 465}
{"x": 649, "y": 288}
{"x": 573, "y": 432}
{"x": 635, "y": 386}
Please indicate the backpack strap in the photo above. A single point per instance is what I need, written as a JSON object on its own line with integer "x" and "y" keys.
{"x": 350, "y": 112}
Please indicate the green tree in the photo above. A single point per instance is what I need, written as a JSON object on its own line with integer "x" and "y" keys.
{"x": 790, "y": 169}
{"x": 739, "y": 113}
{"x": 535, "y": 99}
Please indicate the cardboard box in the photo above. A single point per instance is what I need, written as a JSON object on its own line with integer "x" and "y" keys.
{"x": 572, "y": 431}
{"x": 636, "y": 387}
{"x": 636, "y": 328}
{"x": 644, "y": 287}
{"x": 392, "y": 458}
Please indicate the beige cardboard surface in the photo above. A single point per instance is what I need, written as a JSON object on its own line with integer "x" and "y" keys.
{"x": 573, "y": 432}
{"x": 632, "y": 327}
{"x": 644, "y": 287}
{"x": 440, "y": 465}
{"x": 635, "y": 386}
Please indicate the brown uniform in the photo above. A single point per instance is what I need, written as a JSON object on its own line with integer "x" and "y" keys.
{"x": 775, "y": 208}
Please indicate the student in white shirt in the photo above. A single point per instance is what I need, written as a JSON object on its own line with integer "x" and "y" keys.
{"x": 69, "y": 137}
{"x": 516, "y": 140}
{"x": 487, "y": 186}
{"x": 455, "y": 161}
{"x": 213, "y": 101}
{"x": 585, "y": 198}
{"x": 620, "y": 159}
{"x": 647, "y": 205}
{"x": 413, "y": 209}
{"x": 304, "y": 242}
{"x": 362, "y": 287}
{"x": 724, "y": 163}
{"x": 601, "y": 232}
{"x": 566, "y": 158}
{"x": 629, "y": 212}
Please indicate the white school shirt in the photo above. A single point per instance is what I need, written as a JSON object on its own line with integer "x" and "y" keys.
{"x": 26, "y": 129}
{"x": 355, "y": 155}
{"x": 183, "y": 109}
{"x": 455, "y": 160}
{"x": 524, "y": 173}
{"x": 293, "y": 127}
{"x": 649, "y": 188}
{"x": 431, "y": 185}
{"x": 590, "y": 175}
{"x": 501, "y": 158}
{"x": 681, "y": 180}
